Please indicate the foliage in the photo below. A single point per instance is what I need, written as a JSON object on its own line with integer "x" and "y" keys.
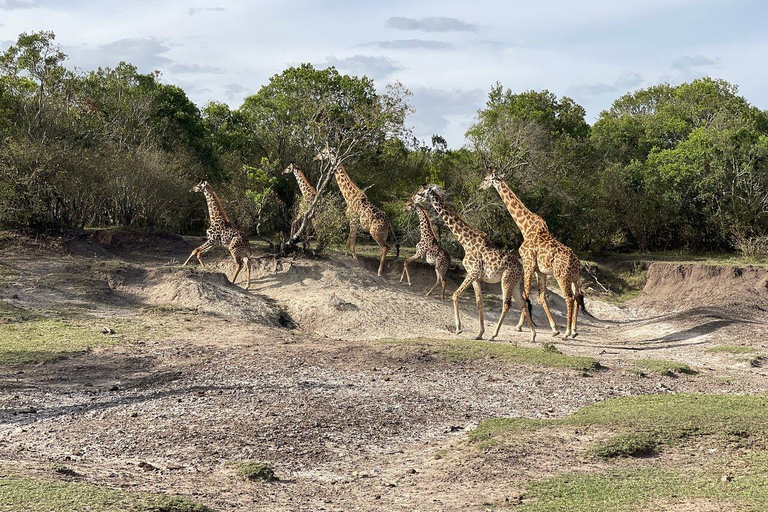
{"x": 254, "y": 470}
{"x": 667, "y": 167}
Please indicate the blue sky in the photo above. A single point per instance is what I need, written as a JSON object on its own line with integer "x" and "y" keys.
{"x": 448, "y": 53}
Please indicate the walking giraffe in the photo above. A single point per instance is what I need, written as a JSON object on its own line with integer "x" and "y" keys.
{"x": 360, "y": 211}
{"x": 429, "y": 247}
{"x": 308, "y": 194}
{"x": 222, "y": 233}
{"x": 543, "y": 255}
{"x": 483, "y": 263}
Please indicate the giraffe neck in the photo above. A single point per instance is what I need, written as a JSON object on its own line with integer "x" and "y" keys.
{"x": 526, "y": 220}
{"x": 306, "y": 188}
{"x": 463, "y": 232}
{"x": 349, "y": 190}
{"x": 215, "y": 210}
{"x": 425, "y": 224}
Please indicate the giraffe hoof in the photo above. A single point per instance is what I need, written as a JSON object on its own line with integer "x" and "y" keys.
{"x": 519, "y": 329}
{"x": 479, "y": 336}
{"x": 459, "y": 331}
{"x": 557, "y": 333}
{"x": 574, "y": 335}
{"x": 491, "y": 338}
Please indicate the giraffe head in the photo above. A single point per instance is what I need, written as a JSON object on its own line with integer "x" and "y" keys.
{"x": 325, "y": 154}
{"x": 290, "y": 169}
{"x": 422, "y": 195}
{"x": 492, "y": 178}
{"x": 199, "y": 187}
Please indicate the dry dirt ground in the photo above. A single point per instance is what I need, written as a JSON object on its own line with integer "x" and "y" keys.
{"x": 298, "y": 372}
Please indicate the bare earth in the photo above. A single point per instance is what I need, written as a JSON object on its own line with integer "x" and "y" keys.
{"x": 297, "y": 372}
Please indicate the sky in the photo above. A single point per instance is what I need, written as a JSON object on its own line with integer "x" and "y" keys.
{"x": 448, "y": 53}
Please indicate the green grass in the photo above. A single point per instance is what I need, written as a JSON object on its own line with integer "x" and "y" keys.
{"x": 652, "y": 487}
{"x": 34, "y": 495}
{"x": 38, "y": 341}
{"x": 730, "y": 349}
{"x": 254, "y": 470}
{"x": 664, "y": 367}
{"x": 460, "y": 350}
{"x": 634, "y": 444}
{"x": 668, "y": 418}
{"x": 734, "y": 424}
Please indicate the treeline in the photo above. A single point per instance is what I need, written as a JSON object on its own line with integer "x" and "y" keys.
{"x": 668, "y": 167}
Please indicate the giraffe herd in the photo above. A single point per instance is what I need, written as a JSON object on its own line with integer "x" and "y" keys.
{"x": 540, "y": 254}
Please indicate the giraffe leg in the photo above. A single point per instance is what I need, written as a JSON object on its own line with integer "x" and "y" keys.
{"x": 405, "y": 267}
{"x": 437, "y": 281}
{"x": 443, "y": 295}
{"x": 506, "y": 289}
{"x": 542, "y": 284}
{"x": 198, "y": 252}
{"x": 380, "y": 236}
{"x": 528, "y": 270}
{"x": 576, "y": 293}
{"x": 248, "y": 264}
{"x": 352, "y": 240}
{"x": 462, "y": 287}
{"x": 569, "y": 303}
{"x": 479, "y": 300}
{"x": 239, "y": 263}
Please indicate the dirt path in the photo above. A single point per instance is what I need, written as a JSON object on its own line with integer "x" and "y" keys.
{"x": 347, "y": 421}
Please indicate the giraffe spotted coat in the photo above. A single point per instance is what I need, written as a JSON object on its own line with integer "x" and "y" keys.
{"x": 482, "y": 262}
{"x": 428, "y": 247}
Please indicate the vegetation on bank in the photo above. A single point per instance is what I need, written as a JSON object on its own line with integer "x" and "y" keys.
{"x": 667, "y": 167}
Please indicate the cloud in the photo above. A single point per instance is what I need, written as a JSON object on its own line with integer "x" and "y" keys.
{"x": 197, "y": 10}
{"x": 232, "y": 91}
{"x": 696, "y": 61}
{"x": 620, "y": 86}
{"x": 435, "y": 106}
{"x": 144, "y": 53}
{"x": 372, "y": 67}
{"x": 8, "y": 5}
{"x": 410, "y": 44}
{"x": 195, "y": 68}
{"x": 431, "y": 24}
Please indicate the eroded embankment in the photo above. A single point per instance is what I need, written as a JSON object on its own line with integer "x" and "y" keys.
{"x": 679, "y": 286}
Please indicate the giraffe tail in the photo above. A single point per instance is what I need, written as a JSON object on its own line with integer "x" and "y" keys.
{"x": 530, "y": 311}
{"x": 397, "y": 243}
{"x": 579, "y": 296}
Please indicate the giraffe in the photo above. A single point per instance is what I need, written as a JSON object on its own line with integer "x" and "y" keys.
{"x": 308, "y": 193}
{"x": 360, "y": 211}
{"x": 428, "y": 247}
{"x": 483, "y": 263}
{"x": 222, "y": 233}
{"x": 543, "y": 255}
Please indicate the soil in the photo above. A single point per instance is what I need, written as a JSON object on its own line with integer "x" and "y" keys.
{"x": 295, "y": 373}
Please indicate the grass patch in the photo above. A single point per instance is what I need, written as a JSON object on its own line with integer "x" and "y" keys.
{"x": 33, "y": 495}
{"x": 469, "y": 350}
{"x": 730, "y": 349}
{"x": 38, "y": 341}
{"x": 254, "y": 471}
{"x": 615, "y": 281}
{"x": 665, "y": 367}
{"x": 652, "y": 488}
{"x": 634, "y": 444}
{"x": 667, "y": 418}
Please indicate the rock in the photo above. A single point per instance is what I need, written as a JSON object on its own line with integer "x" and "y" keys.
{"x": 146, "y": 466}
{"x": 726, "y": 478}
{"x": 107, "y": 331}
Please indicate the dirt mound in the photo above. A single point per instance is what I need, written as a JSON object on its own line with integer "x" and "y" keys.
{"x": 345, "y": 299}
{"x": 145, "y": 243}
{"x": 679, "y": 286}
{"x": 190, "y": 288}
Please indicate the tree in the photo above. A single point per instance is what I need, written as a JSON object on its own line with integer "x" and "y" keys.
{"x": 303, "y": 110}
